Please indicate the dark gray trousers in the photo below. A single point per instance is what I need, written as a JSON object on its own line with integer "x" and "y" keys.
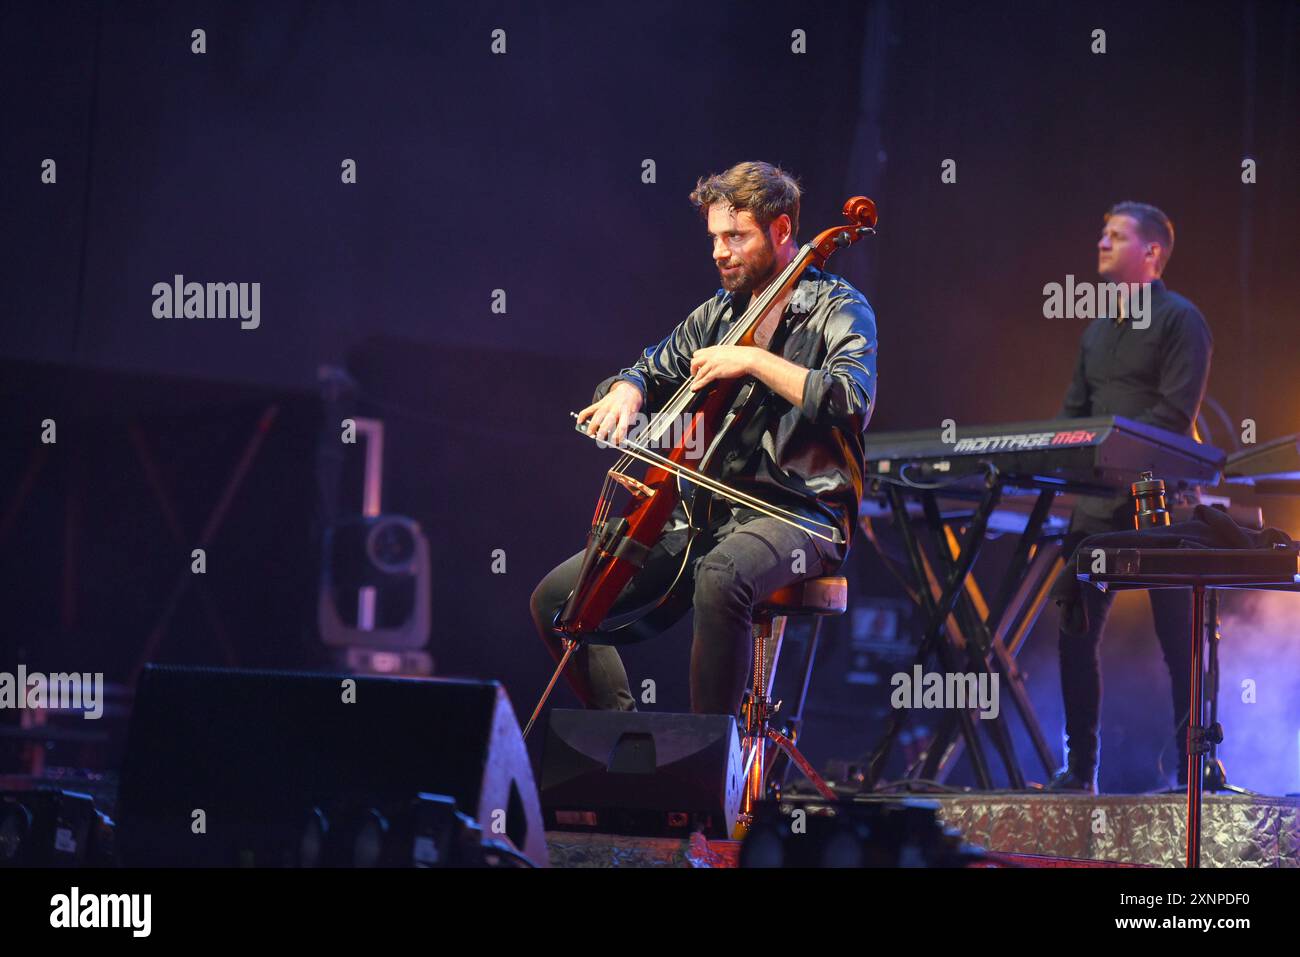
{"x": 731, "y": 569}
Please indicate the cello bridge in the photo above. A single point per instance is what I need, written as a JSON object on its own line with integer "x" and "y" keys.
{"x": 639, "y": 489}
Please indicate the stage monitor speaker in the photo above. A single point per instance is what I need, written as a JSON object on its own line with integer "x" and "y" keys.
{"x": 631, "y": 772}
{"x": 255, "y": 768}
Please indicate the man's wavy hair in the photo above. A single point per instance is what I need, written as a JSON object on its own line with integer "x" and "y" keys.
{"x": 765, "y": 190}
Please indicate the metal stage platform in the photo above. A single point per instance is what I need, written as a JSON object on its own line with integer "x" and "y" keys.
{"x": 1034, "y": 830}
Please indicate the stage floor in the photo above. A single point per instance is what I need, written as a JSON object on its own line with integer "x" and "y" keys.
{"x": 1069, "y": 830}
{"x": 1237, "y": 830}
{"x": 1144, "y": 830}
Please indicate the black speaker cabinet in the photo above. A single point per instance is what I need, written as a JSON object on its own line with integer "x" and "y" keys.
{"x": 641, "y": 773}
{"x": 264, "y": 768}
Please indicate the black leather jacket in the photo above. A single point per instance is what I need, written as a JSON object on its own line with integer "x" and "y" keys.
{"x": 807, "y": 459}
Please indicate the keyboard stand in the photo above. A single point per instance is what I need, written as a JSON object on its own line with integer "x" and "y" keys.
{"x": 959, "y": 630}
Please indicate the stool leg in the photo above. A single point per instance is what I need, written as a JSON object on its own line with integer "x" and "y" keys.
{"x": 794, "y": 717}
{"x": 756, "y": 717}
{"x": 754, "y": 714}
{"x": 771, "y": 659}
{"x": 775, "y": 634}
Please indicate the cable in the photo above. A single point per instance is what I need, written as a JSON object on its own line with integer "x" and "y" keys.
{"x": 903, "y": 481}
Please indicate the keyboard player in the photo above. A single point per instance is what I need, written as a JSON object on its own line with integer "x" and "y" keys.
{"x": 1153, "y": 370}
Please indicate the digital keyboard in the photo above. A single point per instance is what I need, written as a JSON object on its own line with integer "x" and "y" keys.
{"x": 1096, "y": 455}
{"x": 1271, "y": 468}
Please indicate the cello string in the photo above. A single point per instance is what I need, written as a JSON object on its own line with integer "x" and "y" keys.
{"x": 772, "y": 511}
{"x": 654, "y": 430}
{"x": 681, "y": 398}
{"x": 683, "y": 395}
{"x": 736, "y": 495}
{"x": 677, "y": 403}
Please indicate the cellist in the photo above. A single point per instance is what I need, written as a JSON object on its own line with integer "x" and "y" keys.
{"x": 800, "y": 449}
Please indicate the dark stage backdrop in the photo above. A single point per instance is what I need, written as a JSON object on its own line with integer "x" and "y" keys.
{"x": 525, "y": 172}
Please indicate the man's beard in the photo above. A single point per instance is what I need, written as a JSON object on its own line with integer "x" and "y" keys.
{"x": 750, "y": 274}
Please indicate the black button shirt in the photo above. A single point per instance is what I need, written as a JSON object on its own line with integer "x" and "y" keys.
{"x": 1155, "y": 374}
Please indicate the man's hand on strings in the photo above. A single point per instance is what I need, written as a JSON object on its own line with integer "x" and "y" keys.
{"x": 721, "y": 362}
{"x": 612, "y": 414}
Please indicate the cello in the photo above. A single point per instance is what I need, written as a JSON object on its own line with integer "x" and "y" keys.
{"x": 617, "y": 547}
